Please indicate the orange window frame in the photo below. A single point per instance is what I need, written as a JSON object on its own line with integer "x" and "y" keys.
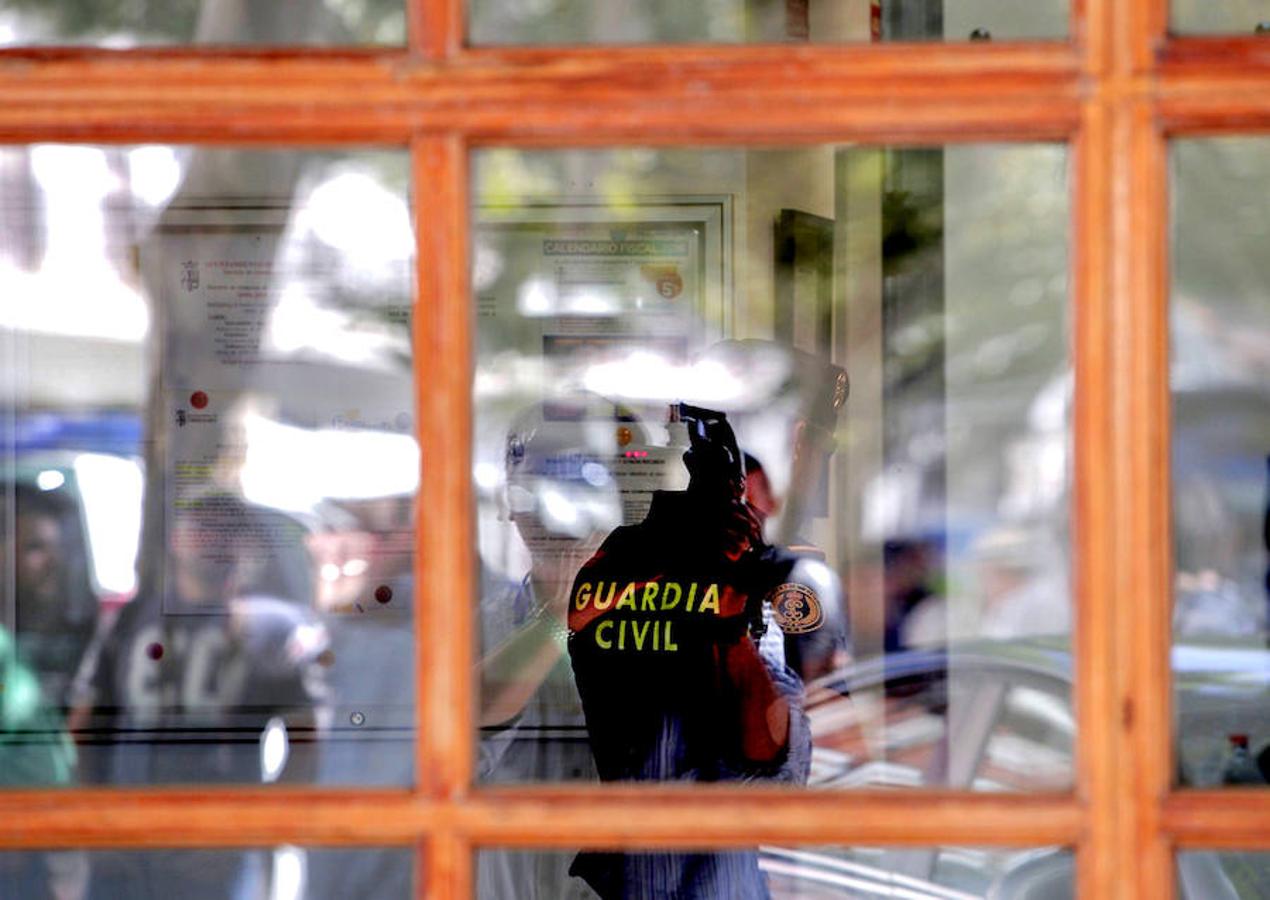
{"x": 1116, "y": 92}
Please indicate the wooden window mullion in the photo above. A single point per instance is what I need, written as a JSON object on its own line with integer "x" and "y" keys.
{"x": 435, "y": 28}
{"x": 1093, "y": 523}
{"x": 1143, "y": 594}
{"x": 448, "y": 867}
{"x": 445, "y": 528}
{"x": 1121, "y": 445}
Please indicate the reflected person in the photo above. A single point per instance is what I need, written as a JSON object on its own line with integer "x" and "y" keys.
{"x": 665, "y": 623}
{"x": 56, "y": 614}
{"x": 211, "y": 682}
{"x": 561, "y": 497}
{"x": 802, "y": 397}
{"x": 56, "y": 611}
{"x": 35, "y": 752}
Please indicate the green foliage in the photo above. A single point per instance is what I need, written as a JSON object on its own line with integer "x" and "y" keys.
{"x": 908, "y": 229}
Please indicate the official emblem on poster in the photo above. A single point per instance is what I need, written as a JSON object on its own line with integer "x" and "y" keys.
{"x": 667, "y": 280}
{"x": 796, "y": 608}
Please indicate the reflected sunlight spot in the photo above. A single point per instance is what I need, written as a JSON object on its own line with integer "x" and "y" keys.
{"x": 288, "y": 874}
{"x": 50, "y": 480}
{"x": 297, "y": 322}
{"x": 154, "y": 173}
{"x": 295, "y": 468}
{"x": 650, "y": 376}
{"x": 274, "y": 750}
{"x": 890, "y": 504}
{"x": 487, "y": 265}
{"x": 593, "y": 303}
{"x": 111, "y": 488}
{"x": 560, "y": 511}
{"x": 535, "y": 298}
{"x": 485, "y": 475}
{"x": 354, "y": 567}
{"x": 84, "y": 299}
{"x": 355, "y": 214}
{"x": 78, "y": 289}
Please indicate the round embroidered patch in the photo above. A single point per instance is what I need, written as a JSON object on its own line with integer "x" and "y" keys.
{"x": 796, "y": 608}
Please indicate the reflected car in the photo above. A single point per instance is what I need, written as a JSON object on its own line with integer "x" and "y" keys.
{"x": 997, "y": 716}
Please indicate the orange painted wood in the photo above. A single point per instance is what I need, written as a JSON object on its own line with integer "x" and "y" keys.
{"x": 1090, "y": 23}
{"x": 1215, "y": 105}
{"x": 535, "y": 817}
{"x": 1122, "y": 38}
{"x": 1143, "y": 600}
{"x": 704, "y": 816}
{"x": 1093, "y": 501}
{"x": 448, "y": 867}
{"x": 1216, "y": 54}
{"x": 656, "y": 95}
{"x": 445, "y": 561}
{"x": 1146, "y": 32}
{"x": 436, "y": 27}
{"x": 1215, "y": 85}
{"x": 205, "y": 818}
{"x": 1230, "y": 819}
{"x": 1122, "y": 476}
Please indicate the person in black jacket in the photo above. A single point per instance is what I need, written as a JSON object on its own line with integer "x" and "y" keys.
{"x": 204, "y": 680}
{"x": 665, "y": 622}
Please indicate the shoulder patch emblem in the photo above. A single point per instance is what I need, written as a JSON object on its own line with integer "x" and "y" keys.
{"x": 796, "y": 608}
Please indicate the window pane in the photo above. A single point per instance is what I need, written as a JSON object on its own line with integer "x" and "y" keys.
{"x": 209, "y": 466}
{"x": 1219, "y": 373}
{"x": 280, "y": 873}
{"x": 131, "y": 23}
{"x": 1238, "y": 17}
{"x": 1229, "y": 875}
{"x": 883, "y": 335}
{"x": 761, "y": 21}
{"x": 782, "y": 873}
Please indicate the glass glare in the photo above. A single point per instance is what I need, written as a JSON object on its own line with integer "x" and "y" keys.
{"x": 788, "y": 873}
{"x": 772, "y": 466}
{"x": 1219, "y": 372}
{"x": 120, "y": 24}
{"x": 761, "y": 21}
{"x": 209, "y": 467}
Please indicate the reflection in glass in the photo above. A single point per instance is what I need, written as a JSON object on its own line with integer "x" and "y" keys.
{"x": 129, "y": 23}
{"x": 209, "y": 466}
{"x": 772, "y": 466}
{"x": 1229, "y": 875}
{"x": 793, "y": 873}
{"x": 761, "y": 21}
{"x": 1232, "y": 17}
{"x": 280, "y": 873}
{"x": 1219, "y": 372}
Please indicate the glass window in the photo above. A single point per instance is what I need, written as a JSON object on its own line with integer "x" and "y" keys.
{"x": 209, "y": 466}
{"x": 278, "y": 873}
{"x": 772, "y": 466}
{"x": 761, "y": 21}
{"x": 1228, "y": 875}
{"x": 1235, "y": 17}
{"x": 1220, "y": 369}
{"x": 790, "y": 873}
{"x": 130, "y": 23}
